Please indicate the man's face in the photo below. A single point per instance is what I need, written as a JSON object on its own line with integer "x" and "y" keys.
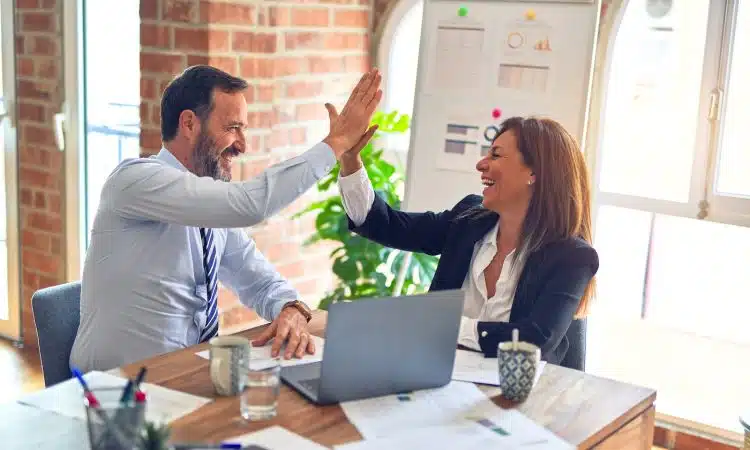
{"x": 221, "y": 137}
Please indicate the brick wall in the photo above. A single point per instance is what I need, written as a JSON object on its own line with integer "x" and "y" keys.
{"x": 296, "y": 55}
{"x": 41, "y": 177}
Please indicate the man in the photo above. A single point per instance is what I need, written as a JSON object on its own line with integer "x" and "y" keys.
{"x": 168, "y": 227}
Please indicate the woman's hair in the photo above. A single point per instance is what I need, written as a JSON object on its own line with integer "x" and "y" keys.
{"x": 560, "y": 205}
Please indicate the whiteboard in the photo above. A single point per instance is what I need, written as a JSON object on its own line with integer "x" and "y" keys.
{"x": 481, "y": 62}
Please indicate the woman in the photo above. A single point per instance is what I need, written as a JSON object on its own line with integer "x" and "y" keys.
{"x": 521, "y": 252}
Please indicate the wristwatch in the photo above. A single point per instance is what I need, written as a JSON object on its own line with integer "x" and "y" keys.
{"x": 301, "y": 307}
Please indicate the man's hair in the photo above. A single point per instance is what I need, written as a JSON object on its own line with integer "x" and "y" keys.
{"x": 193, "y": 90}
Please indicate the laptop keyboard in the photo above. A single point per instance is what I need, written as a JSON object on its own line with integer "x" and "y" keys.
{"x": 311, "y": 384}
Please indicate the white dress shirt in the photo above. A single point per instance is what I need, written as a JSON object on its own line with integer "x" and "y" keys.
{"x": 358, "y": 195}
{"x": 144, "y": 288}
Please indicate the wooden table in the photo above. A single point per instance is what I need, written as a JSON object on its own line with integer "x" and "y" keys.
{"x": 588, "y": 411}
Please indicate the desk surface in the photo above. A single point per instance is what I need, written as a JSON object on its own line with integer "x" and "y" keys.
{"x": 581, "y": 408}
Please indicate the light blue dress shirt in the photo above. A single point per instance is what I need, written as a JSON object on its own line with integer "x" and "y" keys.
{"x": 143, "y": 290}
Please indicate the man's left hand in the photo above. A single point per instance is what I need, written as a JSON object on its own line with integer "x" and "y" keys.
{"x": 291, "y": 325}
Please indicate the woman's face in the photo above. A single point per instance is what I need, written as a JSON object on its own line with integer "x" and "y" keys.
{"x": 508, "y": 181}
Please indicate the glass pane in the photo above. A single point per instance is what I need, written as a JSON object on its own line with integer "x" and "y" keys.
{"x": 112, "y": 89}
{"x": 734, "y": 160}
{"x": 402, "y": 70}
{"x": 651, "y": 111}
{"x": 621, "y": 239}
{"x": 695, "y": 340}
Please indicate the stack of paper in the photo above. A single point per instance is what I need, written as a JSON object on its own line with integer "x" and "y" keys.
{"x": 264, "y": 352}
{"x": 274, "y": 438}
{"x": 66, "y": 399}
{"x": 474, "y": 367}
{"x": 447, "y": 415}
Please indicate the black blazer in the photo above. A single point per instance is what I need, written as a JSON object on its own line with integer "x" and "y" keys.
{"x": 549, "y": 289}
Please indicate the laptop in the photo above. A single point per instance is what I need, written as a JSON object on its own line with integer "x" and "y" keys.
{"x": 383, "y": 346}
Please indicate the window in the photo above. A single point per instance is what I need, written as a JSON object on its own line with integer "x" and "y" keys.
{"x": 671, "y": 310}
{"x": 398, "y": 54}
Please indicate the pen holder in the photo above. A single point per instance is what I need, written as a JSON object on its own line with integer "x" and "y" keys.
{"x": 113, "y": 425}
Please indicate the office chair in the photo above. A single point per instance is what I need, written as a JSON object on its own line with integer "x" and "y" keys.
{"x": 56, "y": 317}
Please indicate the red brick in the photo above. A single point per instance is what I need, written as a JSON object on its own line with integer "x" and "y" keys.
{"x": 30, "y": 112}
{"x": 356, "y": 63}
{"x": 256, "y": 68}
{"x": 34, "y": 90}
{"x": 274, "y": 16}
{"x": 201, "y": 40}
{"x": 313, "y": 111}
{"x": 243, "y": 41}
{"x": 266, "y": 93}
{"x": 344, "y": 41}
{"x": 321, "y": 64}
{"x": 26, "y": 4}
{"x": 260, "y": 119}
{"x": 226, "y": 13}
{"x": 38, "y": 134}
{"x": 156, "y": 36}
{"x": 41, "y": 45}
{"x": 298, "y": 136}
{"x": 290, "y": 66}
{"x": 225, "y": 63}
{"x": 292, "y": 270}
{"x": 48, "y": 69}
{"x": 353, "y": 19}
{"x": 26, "y": 196}
{"x": 310, "y": 17}
{"x": 39, "y": 200}
{"x": 55, "y": 246}
{"x": 149, "y": 9}
{"x": 150, "y": 139}
{"x": 25, "y": 66}
{"x": 304, "y": 89}
{"x": 36, "y": 240}
{"x": 31, "y": 280}
{"x": 37, "y": 21}
{"x": 54, "y": 204}
{"x": 277, "y": 138}
{"x": 304, "y": 40}
{"x": 180, "y": 10}
{"x": 148, "y": 89}
{"x": 38, "y": 178}
{"x": 162, "y": 63}
{"x": 42, "y": 262}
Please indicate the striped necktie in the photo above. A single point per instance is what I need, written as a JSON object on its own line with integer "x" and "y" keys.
{"x": 209, "y": 265}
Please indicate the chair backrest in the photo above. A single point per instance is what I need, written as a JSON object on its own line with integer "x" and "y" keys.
{"x": 56, "y": 316}
{"x": 575, "y": 358}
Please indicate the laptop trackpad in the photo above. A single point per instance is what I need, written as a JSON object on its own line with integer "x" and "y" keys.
{"x": 298, "y": 372}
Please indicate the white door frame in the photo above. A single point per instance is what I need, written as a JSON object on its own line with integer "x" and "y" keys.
{"x": 71, "y": 137}
{"x": 11, "y": 328}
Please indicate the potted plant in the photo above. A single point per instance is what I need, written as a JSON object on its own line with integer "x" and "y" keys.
{"x": 362, "y": 267}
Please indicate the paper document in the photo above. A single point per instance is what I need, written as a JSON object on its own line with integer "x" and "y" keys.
{"x": 66, "y": 398}
{"x": 474, "y": 367}
{"x": 264, "y": 352}
{"x": 455, "y": 404}
{"x": 274, "y": 438}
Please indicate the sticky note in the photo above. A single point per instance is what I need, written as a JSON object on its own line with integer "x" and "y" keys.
{"x": 463, "y": 11}
{"x": 530, "y": 14}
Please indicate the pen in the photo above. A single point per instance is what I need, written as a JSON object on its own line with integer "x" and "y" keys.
{"x": 139, "y": 378}
{"x": 126, "y": 392}
{"x": 226, "y": 445}
{"x": 95, "y": 405}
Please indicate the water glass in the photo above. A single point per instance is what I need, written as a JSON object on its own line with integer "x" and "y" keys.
{"x": 260, "y": 395}
{"x": 113, "y": 425}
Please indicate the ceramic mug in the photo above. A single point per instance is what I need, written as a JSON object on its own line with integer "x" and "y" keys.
{"x": 518, "y": 363}
{"x": 229, "y": 357}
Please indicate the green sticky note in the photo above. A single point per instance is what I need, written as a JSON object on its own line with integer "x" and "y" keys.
{"x": 462, "y": 11}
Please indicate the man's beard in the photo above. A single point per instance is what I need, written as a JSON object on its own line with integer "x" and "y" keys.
{"x": 206, "y": 159}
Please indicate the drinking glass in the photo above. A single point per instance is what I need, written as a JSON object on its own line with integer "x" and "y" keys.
{"x": 260, "y": 396}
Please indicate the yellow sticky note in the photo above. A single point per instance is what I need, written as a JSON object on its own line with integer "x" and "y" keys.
{"x": 530, "y": 14}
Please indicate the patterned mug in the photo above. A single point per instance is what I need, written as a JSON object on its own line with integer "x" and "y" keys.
{"x": 518, "y": 363}
{"x": 229, "y": 358}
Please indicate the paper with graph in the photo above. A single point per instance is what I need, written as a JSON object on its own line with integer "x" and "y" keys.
{"x": 459, "y": 406}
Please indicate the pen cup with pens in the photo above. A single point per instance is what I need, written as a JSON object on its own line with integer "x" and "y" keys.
{"x": 114, "y": 423}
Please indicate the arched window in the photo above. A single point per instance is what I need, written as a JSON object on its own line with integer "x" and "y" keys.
{"x": 397, "y": 56}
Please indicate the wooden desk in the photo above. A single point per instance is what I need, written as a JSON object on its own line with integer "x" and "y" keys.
{"x": 585, "y": 410}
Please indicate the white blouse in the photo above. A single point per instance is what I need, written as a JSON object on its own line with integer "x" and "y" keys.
{"x": 358, "y": 196}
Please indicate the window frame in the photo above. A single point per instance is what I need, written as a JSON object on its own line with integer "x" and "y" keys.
{"x": 712, "y": 65}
